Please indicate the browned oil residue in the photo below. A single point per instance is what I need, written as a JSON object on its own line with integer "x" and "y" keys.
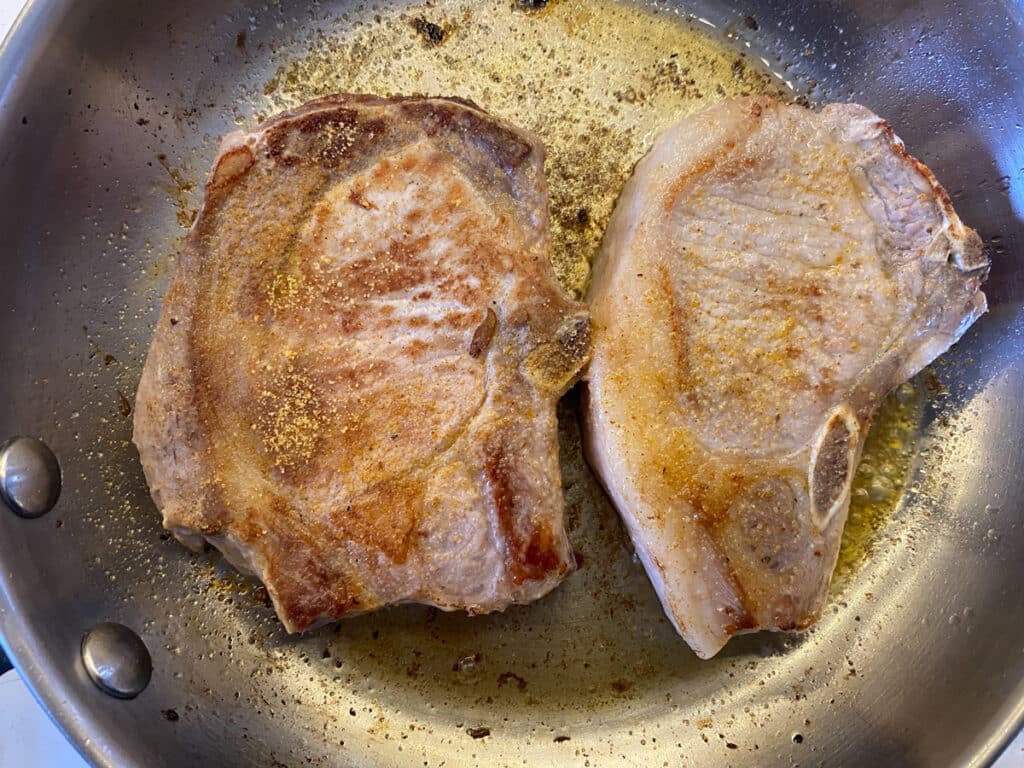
{"x": 509, "y": 677}
{"x": 179, "y": 190}
{"x": 123, "y": 405}
{"x": 621, "y": 686}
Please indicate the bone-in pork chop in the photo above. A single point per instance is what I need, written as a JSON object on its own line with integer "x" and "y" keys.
{"x": 769, "y": 274}
{"x": 351, "y": 391}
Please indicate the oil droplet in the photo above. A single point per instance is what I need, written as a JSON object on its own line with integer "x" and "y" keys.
{"x": 881, "y": 478}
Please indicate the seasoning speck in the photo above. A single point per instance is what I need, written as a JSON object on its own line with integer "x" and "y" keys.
{"x": 508, "y": 677}
{"x": 432, "y": 33}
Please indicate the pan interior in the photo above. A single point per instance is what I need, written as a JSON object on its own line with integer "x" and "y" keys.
{"x": 594, "y": 673}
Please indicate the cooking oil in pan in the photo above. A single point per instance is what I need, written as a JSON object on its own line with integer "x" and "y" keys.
{"x": 881, "y": 478}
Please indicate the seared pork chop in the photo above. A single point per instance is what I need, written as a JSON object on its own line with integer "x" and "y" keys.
{"x": 351, "y": 390}
{"x": 768, "y": 275}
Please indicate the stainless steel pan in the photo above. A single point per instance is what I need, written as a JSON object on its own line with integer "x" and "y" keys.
{"x": 110, "y": 113}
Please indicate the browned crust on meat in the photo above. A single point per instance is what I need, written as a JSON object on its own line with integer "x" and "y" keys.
{"x": 239, "y": 458}
{"x": 483, "y": 334}
{"x": 228, "y": 169}
{"x": 532, "y": 549}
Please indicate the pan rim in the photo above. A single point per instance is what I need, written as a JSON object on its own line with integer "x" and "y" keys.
{"x": 37, "y": 20}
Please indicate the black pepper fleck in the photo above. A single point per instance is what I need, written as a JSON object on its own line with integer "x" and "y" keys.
{"x": 432, "y": 33}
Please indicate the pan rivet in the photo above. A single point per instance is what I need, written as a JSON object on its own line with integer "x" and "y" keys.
{"x": 29, "y": 477}
{"x": 117, "y": 660}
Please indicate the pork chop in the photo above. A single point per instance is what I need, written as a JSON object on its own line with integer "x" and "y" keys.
{"x": 768, "y": 275}
{"x": 351, "y": 390}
